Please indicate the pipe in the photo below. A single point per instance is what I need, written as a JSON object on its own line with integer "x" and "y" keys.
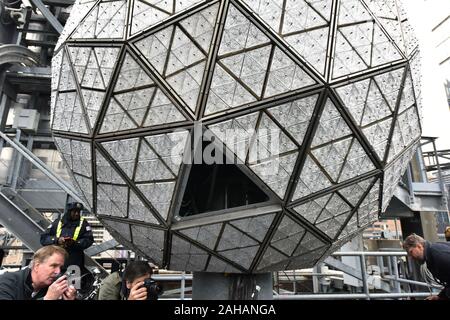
{"x": 369, "y": 253}
{"x": 423, "y": 284}
{"x": 183, "y": 282}
{"x": 350, "y": 296}
{"x": 160, "y": 277}
{"x": 362, "y": 261}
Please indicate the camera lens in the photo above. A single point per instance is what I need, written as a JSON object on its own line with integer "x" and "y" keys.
{"x": 153, "y": 289}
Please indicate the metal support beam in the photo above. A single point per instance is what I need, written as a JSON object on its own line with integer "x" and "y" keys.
{"x": 351, "y": 296}
{"x": 48, "y": 15}
{"x": 43, "y": 167}
{"x": 26, "y": 207}
{"x": 102, "y": 247}
{"x": 418, "y": 283}
{"x": 370, "y": 253}
{"x": 396, "y": 276}
{"x": 19, "y": 223}
{"x": 17, "y": 164}
{"x": 27, "y": 225}
{"x": 59, "y": 3}
{"x": 332, "y": 262}
{"x": 362, "y": 260}
{"x": 315, "y": 278}
{"x": 183, "y": 285}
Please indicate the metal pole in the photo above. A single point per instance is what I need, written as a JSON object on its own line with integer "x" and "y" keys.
{"x": 370, "y": 253}
{"x": 389, "y": 260}
{"x": 277, "y": 282}
{"x": 17, "y": 163}
{"x": 294, "y": 286}
{"x": 380, "y": 262}
{"x": 420, "y": 161}
{"x": 423, "y": 284}
{"x": 163, "y": 277}
{"x": 396, "y": 277}
{"x": 315, "y": 279}
{"x": 183, "y": 283}
{"x": 48, "y": 15}
{"x": 438, "y": 165}
{"x": 364, "y": 276}
{"x": 339, "y": 296}
{"x": 441, "y": 181}
{"x": 410, "y": 185}
{"x": 397, "y": 236}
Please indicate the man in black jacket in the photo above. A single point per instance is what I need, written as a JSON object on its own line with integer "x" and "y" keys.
{"x": 437, "y": 258}
{"x": 71, "y": 232}
{"x": 39, "y": 281}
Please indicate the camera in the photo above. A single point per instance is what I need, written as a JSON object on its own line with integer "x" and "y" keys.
{"x": 154, "y": 290}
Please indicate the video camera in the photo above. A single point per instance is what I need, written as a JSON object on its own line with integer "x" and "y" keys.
{"x": 154, "y": 290}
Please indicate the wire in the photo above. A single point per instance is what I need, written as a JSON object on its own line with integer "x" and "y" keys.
{"x": 428, "y": 277}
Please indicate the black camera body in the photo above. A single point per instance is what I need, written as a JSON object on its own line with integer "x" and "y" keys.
{"x": 154, "y": 290}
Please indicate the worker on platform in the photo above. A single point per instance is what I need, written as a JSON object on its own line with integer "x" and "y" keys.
{"x": 437, "y": 259}
{"x": 72, "y": 232}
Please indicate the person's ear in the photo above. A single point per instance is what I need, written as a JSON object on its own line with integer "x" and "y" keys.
{"x": 128, "y": 283}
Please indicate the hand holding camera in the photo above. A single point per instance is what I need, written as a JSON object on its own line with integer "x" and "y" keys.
{"x": 138, "y": 292}
{"x": 148, "y": 289}
{"x": 61, "y": 288}
{"x": 153, "y": 289}
{"x": 70, "y": 293}
{"x": 57, "y": 288}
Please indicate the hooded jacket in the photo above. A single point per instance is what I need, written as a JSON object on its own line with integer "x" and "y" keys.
{"x": 76, "y": 250}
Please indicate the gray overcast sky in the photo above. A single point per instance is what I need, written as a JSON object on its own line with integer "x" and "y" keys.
{"x": 424, "y": 15}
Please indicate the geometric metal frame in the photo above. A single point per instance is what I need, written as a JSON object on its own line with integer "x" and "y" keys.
{"x": 104, "y": 70}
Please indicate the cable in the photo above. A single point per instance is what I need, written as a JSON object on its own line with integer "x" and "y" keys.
{"x": 428, "y": 277}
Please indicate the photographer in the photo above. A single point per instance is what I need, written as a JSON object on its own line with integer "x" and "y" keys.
{"x": 135, "y": 284}
{"x": 41, "y": 280}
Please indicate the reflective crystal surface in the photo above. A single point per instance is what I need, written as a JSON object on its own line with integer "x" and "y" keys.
{"x": 322, "y": 99}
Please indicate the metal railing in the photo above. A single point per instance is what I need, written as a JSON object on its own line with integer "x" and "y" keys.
{"x": 175, "y": 277}
{"x": 367, "y": 295}
{"x": 350, "y": 296}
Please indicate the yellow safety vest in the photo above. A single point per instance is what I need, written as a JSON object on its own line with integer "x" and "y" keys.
{"x": 75, "y": 234}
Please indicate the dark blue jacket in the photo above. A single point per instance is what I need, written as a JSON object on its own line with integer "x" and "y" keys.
{"x": 17, "y": 286}
{"x": 76, "y": 251}
{"x": 437, "y": 257}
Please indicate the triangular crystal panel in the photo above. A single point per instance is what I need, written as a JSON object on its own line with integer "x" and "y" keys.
{"x": 312, "y": 179}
